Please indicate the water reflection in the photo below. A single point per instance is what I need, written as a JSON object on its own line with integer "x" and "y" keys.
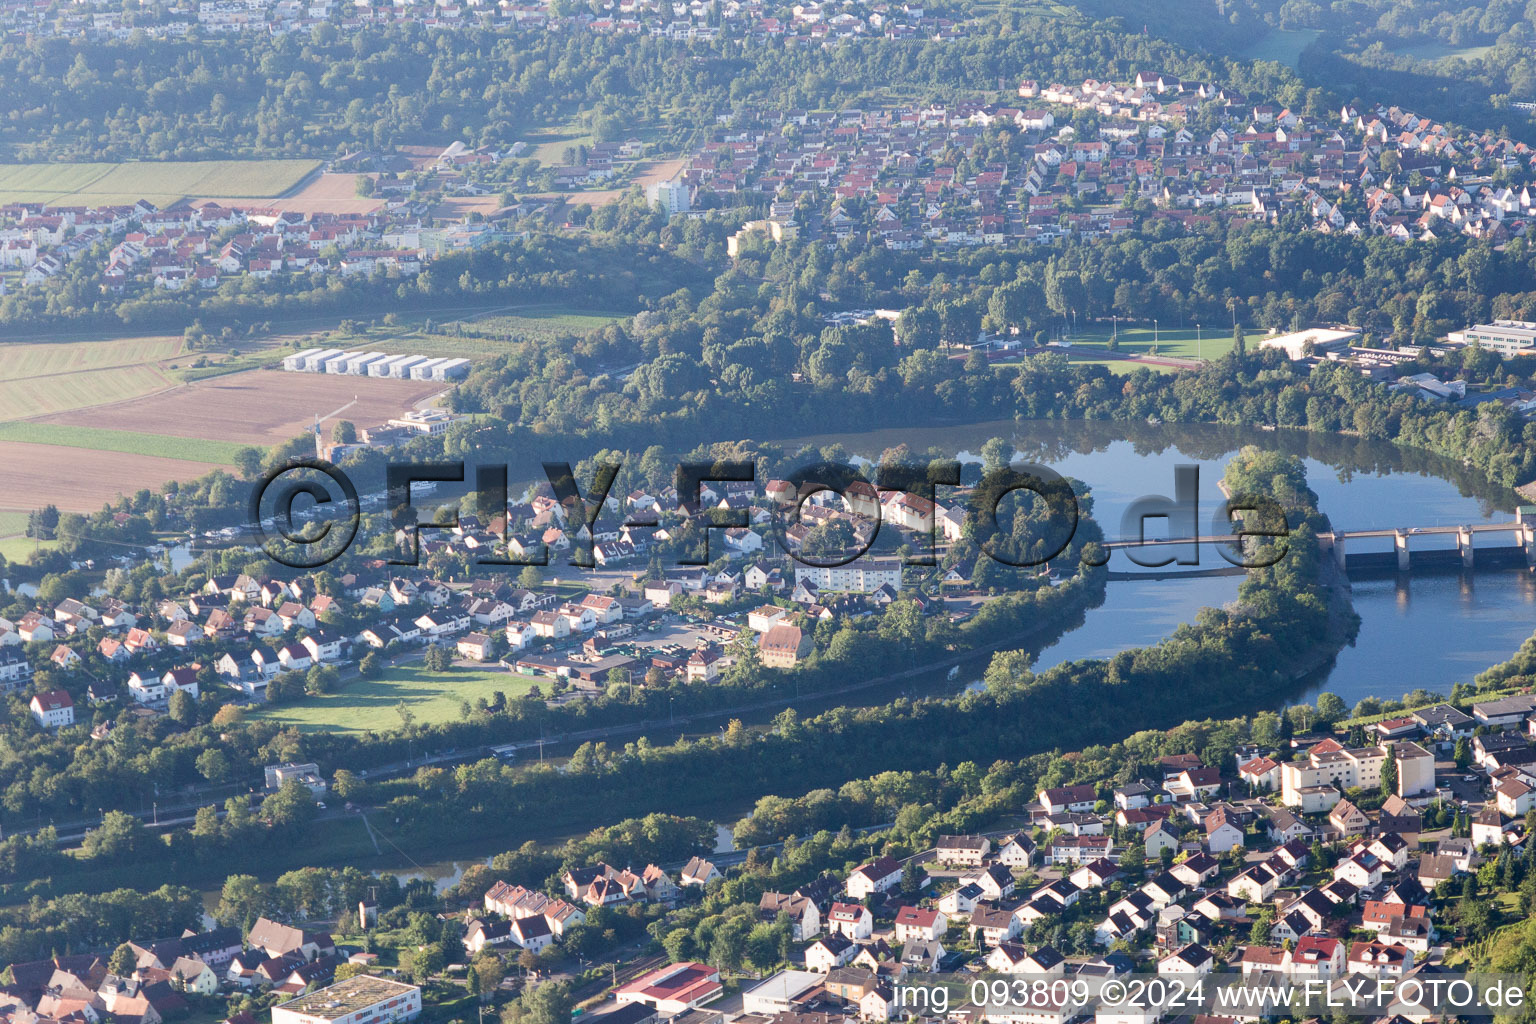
{"x": 1428, "y": 630}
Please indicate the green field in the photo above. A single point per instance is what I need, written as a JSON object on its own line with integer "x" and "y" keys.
{"x": 563, "y": 318}
{"x": 19, "y": 549}
{"x": 35, "y": 359}
{"x": 1437, "y": 51}
{"x": 1178, "y": 342}
{"x": 1124, "y": 366}
{"x": 1282, "y": 45}
{"x": 47, "y": 377}
{"x": 548, "y": 148}
{"x": 15, "y": 546}
{"x": 40, "y": 378}
{"x": 160, "y": 182}
{"x": 369, "y": 705}
{"x": 533, "y": 322}
{"x": 12, "y": 522}
{"x": 190, "y": 449}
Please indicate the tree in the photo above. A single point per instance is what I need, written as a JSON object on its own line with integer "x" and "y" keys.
{"x": 370, "y": 666}
{"x": 346, "y": 785}
{"x": 1463, "y": 752}
{"x": 530, "y": 578}
{"x": 547, "y": 1002}
{"x": 344, "y": 432}
{"x": 119, "y": 835}
{"x": 213, "y": 765}
{"x": 205, "y": 823}
{"x": 228, "y": 716}
{"x": 996, "y": 454}
{"x": 489, "y": 970}
{"x": 249, "y": 462}
{"x": 182, "y": 708}
{"x": 321, "y": 679}
{"x": 1389, "y": 772}
{"x": 1266, "y": 729}
{"x": 124, "y": 961}
{"x": 241, "y": 902}
{"x": 679, "y": 944}
{"x": 1330, "y": 708}
{"x": 425, "y": 962}
{"x": 292, "y": 805}
{"x": 729, "y": 946}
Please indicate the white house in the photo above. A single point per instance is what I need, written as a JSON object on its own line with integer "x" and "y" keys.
{"x": 877, "y": 876}
{"x": 53, "y": 710}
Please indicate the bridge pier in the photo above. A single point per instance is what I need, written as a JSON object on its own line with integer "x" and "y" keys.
{"x": 1400, "y": 542}
{"x": 1464, "y": 546}
{"x": 1526, "y": 536}
{"x": 1337, "y": 543}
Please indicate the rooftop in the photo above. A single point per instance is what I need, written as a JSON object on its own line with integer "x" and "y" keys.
{"x": 346, "y": 997}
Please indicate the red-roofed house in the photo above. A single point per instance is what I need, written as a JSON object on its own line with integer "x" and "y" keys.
{"x": 919, "y": 923}
{"x": 53, "y": 710}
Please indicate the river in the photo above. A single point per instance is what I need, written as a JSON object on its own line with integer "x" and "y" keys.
{"x": 1425, "y": 630}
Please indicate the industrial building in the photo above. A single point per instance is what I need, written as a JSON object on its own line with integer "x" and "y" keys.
{"x": 377, "y": 364}
{"x": 1506, "y": 337}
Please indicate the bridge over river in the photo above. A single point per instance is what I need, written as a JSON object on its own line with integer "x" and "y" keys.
{"x": 1517, "y": 550}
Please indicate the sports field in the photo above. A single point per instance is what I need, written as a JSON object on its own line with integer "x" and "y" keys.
{"x": 1182, "y": 343}
{"x": 160, "y": 182}
{"x": 369, "y": 705}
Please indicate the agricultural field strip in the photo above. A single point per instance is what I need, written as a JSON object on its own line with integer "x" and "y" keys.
{"x": 188, "y": 449}
{"x": 112, "y": 184}
{"x": 85, "y": 389}
{"x": 40, "y": 359}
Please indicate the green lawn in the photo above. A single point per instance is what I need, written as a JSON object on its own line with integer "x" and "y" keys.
{"x": 1213, "y": 343}
{"x": 1438, "y": 51}
{"x": 548, "y": 148}
{"x": 1124, "y": 366}
{"x": 191, "y": 449}
{"x": 540, "y": 323}
{"x": 1282, "y": 45}
{"x": 550, "y": 318}
{"x": 12, "y": 522}
{"x": 369, "y": 705}
{"x": 19, "y": 548}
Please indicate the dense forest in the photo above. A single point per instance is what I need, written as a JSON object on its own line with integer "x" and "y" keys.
{"x": 329, "y": 92}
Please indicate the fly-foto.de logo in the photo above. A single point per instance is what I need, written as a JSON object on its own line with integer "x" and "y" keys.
{"x": 308, "y": 513}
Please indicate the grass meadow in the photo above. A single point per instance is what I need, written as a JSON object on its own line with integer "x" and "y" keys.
{"x": 165, "y": 446}
{"x": 368, "y": 705}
